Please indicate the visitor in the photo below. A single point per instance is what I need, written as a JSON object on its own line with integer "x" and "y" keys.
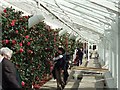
{"x": 78, "y": 56}
{"x": 58, "y": 68}
{"x": 10, "y": 77}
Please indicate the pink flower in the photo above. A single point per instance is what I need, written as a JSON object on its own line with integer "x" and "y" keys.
{"x": 25, "y": 16}
{"x": 16, "y": 31}
{"x": 31, "y": 39}
{"x": 13, "y": 22}
{"x": 26, "y": 36}
{"x": 20, "y": 44}
{"x": 28, "y": 43}
{"x": 6, "y": 41}
{"x": 23, "y": 83}
{"x": 14, "y": 41}
{"x": 4, "y": 10}
{"x": 30, "y": 51}
{"x": 21, "y": 50}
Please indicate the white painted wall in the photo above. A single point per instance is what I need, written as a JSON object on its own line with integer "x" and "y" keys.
{"x": 109, "y": 51}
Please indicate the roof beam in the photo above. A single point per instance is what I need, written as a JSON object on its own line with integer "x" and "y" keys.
{"x": 61, "y": 13}
{"x": 75, "y": 15}
{"x": 106, "y": 4}
{"x": 70, "y": 14}
{"x": 58, "y": 18}
{"x": 93, "y": 6}
{"x": 90, "y": 15}
{"x": 88, "y": 26}
{"x": 82, "y": 23}
{"x": 90, "y": 9}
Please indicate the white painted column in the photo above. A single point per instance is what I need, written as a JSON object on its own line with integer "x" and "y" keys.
{"x": 115, "y": 45}
{"x": 118, "y": 56}
{"x": 104, "y": 51}
{"x": 101, "y": 52}
{"x": 108, "y": 48}
{"x": 118, "y": 63}
{"x": 110, "y": 57}
{"x": 107, "y": 54}
{"x": 88, "y": 50}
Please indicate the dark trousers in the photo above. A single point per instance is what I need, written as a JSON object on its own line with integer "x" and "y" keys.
{"x": 59, "y": 79}
{"x": 65, "y": 74}
{"x": 79, "y": 62}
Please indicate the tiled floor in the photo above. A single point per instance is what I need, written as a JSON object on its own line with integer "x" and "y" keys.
{"x": 88, "y": 81}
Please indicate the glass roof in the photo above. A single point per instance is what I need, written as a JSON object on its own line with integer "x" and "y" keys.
{"x": 87, "y": 18}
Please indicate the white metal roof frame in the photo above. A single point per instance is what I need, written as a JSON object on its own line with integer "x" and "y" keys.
{"x": 88, "y": 18}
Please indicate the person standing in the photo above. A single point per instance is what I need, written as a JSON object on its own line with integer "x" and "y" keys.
{"x": 58, "y": 69}
{"x": 66, "y": 65}
{"x": 10, "y": 77}
{"x": 1, "y": 58}
{"x": 78, "y": 57}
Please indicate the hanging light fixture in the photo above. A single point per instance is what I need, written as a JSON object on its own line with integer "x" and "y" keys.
{"x": 35, "y": 19}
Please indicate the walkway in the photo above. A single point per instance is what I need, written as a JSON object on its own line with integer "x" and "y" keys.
{"x": 88, "y": 76}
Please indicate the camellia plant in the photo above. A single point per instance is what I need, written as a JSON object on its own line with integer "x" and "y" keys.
{"x": 33, "y": 48}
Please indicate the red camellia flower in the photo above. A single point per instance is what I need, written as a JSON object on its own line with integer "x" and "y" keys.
{"x": 13, "y": 22}
{"x": 13, "y": 41}
{"x": 31, "y": 39}
{"x": 6, "y": 41}
{"x": 26, "y": 36}
{"x": 26, "y": 16}
{"x": 21, "y": 19}
{"x": 16, "y": 31}
{"x": 20, "y": 44}
{"x": 23, "y": 83}
{"x": 21, "y": 50}
{"x": 4, "y": 10}
{"x": 28, "y": 43}
{"x": 30, "y": 51}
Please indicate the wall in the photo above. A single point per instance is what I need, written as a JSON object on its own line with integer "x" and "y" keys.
{"x": 109, "y": 51}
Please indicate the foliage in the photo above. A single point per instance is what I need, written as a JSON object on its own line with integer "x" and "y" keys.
{"x": 33, "y": 48}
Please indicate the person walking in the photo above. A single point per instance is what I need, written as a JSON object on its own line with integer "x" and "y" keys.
{"x": 66, "y": 65}
{"x": 78, "y": 57}
{"x": 58, "y": 69}
{"x": 10, "y": 79}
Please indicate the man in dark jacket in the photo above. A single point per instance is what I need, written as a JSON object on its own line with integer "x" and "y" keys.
{"x": 79, "y": 56}
{"x": 59, "y": 67}
{"x": 9, "y": 72}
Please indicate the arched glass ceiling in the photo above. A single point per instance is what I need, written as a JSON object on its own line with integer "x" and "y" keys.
{"x": 88, "y": 18}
